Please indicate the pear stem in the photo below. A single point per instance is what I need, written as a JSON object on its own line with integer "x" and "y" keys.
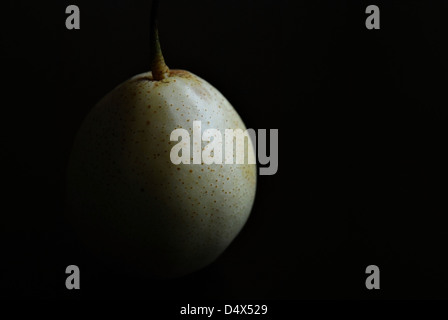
{"x": 158, "y": 67}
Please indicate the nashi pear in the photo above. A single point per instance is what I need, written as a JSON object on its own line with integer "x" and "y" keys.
{"x": 130, "y": 202}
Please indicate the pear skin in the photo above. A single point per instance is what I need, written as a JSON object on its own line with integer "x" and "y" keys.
{"x": 130, "y": 202}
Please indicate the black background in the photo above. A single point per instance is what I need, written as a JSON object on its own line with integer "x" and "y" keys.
{"x": 362, "y": 154}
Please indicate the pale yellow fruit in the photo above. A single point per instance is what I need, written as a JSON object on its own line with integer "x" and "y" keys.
{"x": 129, "y": 201}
